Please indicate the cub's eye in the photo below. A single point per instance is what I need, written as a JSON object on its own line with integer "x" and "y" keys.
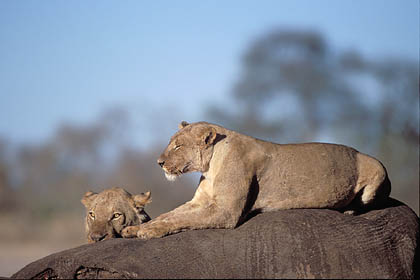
{"x": 177, "y": 147}
{"x": 91, "y": 214}
{"x": 116, "y": 215}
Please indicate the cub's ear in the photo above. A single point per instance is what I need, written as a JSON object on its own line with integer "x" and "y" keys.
{"x": 140, "y": 200}
{"x": 182, "y": 125}
{"x": 208, "y": 135}
{"x": 88, "y": 198}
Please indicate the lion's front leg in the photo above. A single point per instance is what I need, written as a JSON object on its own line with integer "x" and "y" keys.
{"x": 203, "y": 212}
{"x": 131, "y": 231}
{"x": 191, "y": 217}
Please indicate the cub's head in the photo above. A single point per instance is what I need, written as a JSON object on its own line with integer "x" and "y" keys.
{"x": 190, "y": 149}
{"x": 109, "y": 212}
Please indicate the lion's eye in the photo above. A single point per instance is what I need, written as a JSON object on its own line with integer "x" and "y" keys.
{"x": 177, "y": 147}
{"x": 116, "y": 215}
{"x": 91, "y": 214}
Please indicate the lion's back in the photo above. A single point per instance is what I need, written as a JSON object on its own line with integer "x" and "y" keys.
{"x": 309, "y": 175}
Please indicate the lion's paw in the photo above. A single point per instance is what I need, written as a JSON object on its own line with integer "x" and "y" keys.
{"x": 151, "y": 232}
{"x": 130, "y": 232}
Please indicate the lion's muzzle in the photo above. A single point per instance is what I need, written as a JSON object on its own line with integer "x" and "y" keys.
{"x": 95, "y": 237}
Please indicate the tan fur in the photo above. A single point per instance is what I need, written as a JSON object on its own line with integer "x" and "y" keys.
{"x": 108, "y": 212}
{"x": 241, "y": 174}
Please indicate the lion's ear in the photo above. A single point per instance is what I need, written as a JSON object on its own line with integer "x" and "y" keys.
{"x": 140, "y": 200}
{"x": 208, "y": 135}
{"x": 182, "y": 125}
{"x": 87, "y": 198}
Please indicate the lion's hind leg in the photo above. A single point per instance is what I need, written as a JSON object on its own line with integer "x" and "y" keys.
{"x": 372, "y": 188}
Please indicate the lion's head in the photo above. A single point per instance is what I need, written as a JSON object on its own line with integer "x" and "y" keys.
{"x": 190, "y": 149}
{"x": 109, "y": 212}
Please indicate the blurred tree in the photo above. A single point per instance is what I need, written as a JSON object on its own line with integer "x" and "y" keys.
{"x": 395, "y": 106}
{"x": 294, "y": 88}
{"x": 53, "y": 176}
{"x": 69, "y": 163}
{"x": 7, "y": 196}
{"x": 288, "y": 81}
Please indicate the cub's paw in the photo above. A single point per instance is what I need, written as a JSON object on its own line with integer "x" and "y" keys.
{"x": 130, "y": 232}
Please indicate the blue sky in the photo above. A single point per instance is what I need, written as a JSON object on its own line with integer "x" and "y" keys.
{"x": 68, "y": 60}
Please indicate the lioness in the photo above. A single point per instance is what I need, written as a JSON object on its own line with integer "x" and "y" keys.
{"x": 108, "y": 212}
{"x": 241, "y": 174}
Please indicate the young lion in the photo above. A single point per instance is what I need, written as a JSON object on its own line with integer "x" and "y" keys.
{"x": 108, "y": 212}
{"x": 241, "y": 174}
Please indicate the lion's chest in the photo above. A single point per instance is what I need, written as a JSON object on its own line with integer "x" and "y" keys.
{"x": 204, "y": 192}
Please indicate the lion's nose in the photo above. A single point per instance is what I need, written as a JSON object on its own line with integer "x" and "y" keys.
{"x": 97, "y": 236}
{"x": 161, "y": 162}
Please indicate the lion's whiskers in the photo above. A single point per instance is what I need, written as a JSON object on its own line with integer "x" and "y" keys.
{"x": 171, "y": 177}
